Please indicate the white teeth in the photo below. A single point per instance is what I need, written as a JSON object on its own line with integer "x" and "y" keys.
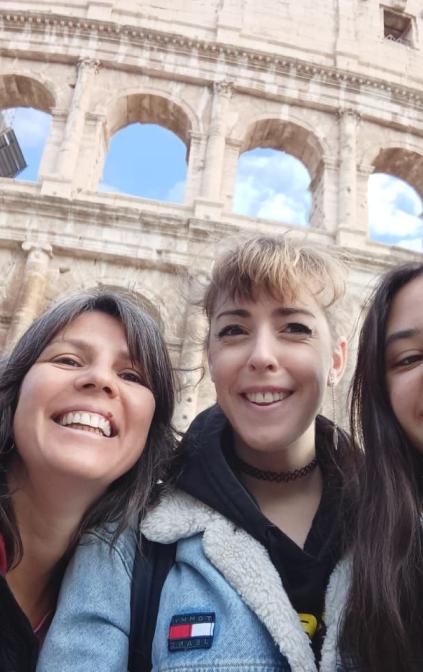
{"x": 89, "y": 419}
{"x": 266, "y": 397}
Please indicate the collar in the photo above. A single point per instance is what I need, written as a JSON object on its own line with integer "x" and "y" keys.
{"x": 246, "y": 566}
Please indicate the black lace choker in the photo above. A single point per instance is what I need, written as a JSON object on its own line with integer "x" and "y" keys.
{"x": 274, "y": 476}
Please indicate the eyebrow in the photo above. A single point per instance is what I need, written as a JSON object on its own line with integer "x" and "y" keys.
{"x": 401, "y": 335}
{"x": 87, "y": 347}
{"x": 278, "y": 312}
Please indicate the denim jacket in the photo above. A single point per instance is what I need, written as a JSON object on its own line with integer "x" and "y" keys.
{"x": 223, "y": 606}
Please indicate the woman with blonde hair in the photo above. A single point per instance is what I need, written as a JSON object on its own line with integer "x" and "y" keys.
{"x": 260, "y": 511}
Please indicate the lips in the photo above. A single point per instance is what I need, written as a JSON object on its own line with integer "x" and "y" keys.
{"x": 88, "y": 421}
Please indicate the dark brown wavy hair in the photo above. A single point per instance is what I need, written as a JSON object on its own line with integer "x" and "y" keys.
{"x": 131, "y": 494}
{"x": 383, "y": 620}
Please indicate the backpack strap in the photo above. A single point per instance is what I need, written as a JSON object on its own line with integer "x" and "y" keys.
{"x": 151, "y": 568}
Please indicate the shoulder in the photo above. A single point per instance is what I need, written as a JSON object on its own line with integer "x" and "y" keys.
{"x": 177, "y": 516}
{"x": 97, "y": 545}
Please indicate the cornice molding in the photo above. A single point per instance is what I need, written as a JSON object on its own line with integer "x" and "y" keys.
{"x": 251, "y": 58}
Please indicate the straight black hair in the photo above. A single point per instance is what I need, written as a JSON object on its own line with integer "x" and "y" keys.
{"x": 383, "y": 621}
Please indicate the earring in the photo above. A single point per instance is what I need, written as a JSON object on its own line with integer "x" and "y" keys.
{"x": 335, "y": 435}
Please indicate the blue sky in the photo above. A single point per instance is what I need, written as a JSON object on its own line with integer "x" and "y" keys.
{"x": 149, "y": 161}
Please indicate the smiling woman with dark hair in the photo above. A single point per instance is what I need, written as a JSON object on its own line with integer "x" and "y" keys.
{"x": 86, "y": 400}
{"x": 383, "y": 621}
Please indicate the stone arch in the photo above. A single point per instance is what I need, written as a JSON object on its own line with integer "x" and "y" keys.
{"x": 71, "y": 283}
{"x": 17, "y": 90}
{"x": 297, "y": 140}
{"x": 289, "y": 137}
{"x": 406, "y": 164}
{"x": 151, "y": 107}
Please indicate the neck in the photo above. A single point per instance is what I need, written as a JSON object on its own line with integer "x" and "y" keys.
{"x": 279, "y": 458}
{"x": 292, "y": 505}
{"x": 47, "y": 516}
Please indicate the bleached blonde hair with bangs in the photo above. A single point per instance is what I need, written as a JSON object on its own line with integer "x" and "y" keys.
{"x": 281, "y": 267}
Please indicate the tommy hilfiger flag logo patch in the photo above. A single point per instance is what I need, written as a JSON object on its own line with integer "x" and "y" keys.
{"x": 191, "y": 631}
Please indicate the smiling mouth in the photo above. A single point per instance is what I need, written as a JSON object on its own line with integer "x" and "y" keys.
{"x": 265, "y": 398}
{"x": 93, "y": 423}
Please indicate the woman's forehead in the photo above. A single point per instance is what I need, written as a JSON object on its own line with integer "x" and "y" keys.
{"x": 292, "y": 298}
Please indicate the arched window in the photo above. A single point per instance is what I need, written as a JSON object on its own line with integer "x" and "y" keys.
{"x": 146, "y": 160}
{"x": 148, "y": 140}
{"x": 395, "y": 198}
{"x": 26, "y": 104}
{"x": 280, "y": 174}
{"x": 272, "y": 184}
{"x": 395, "y": 212}
{"x": 31, "y": 128}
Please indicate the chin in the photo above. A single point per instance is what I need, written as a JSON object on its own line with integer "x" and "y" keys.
{"x": 263, "y": 444}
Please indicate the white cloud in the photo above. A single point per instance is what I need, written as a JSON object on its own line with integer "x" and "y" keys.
{"x": 415, "y": 244}
{"x": 31, "y": 126}
{"x": 394, "y": 209}
{"x": 176, "y": 193}
{"x": 272, "y": 185}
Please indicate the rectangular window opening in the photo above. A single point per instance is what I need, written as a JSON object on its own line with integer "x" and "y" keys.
{"x": 397, "y": 27}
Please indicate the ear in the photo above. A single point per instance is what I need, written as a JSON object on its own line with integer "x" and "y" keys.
{"x": 339, "y": 361}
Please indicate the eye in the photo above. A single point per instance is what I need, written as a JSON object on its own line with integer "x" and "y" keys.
{"x": 297, "y": 328}
{"x": 132, "y": 377}
{"x": 231, "y": 330}
{"x": 67, "y": 360}
{"x": 408, "y": 360}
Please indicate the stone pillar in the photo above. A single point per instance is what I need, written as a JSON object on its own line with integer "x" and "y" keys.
{"x": 232, "y": 152}
{"x": 92, "y": 154}
{"x": 215, "y": 153}
{"x": 347, "y": 184}
{"x": 68, "y": 154}
{"x": 191, "y": 366}
{"x": 324, "y": 188}
{"x": 196, "y": 160}
{"x": 31, "y": 294}
{"x": 364, "y": 171}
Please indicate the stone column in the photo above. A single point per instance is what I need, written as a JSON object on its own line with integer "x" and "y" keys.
{"x": 347, "y": 184}
{"x": 232, "y": 152}
{"x": 190, "y": 365}
{"x": 364, "y": 171}
{"x": 196, "y": 160}
{"x": 31, "y": 294}
{"x": 68, "y": 154}
{"x": 215, "y": 153}
{"x": 324, "y": 210}
{"x": 92, "y": 154}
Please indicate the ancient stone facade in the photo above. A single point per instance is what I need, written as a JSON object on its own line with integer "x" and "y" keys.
{"x": 336, "y": 83}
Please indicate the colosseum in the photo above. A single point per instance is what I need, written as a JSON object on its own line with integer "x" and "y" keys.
{"x": 338, "y": 84}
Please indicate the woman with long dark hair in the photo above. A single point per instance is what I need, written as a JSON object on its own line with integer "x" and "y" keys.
{"x": 86, "y": 400}
{"x": 383, "y": 620}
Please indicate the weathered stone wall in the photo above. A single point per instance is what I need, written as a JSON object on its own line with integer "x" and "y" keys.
{"x": 317, "y": 79}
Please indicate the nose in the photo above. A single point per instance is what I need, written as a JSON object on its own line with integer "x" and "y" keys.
{"x": 97, "y": 378}
{"x": 263, "y": 356}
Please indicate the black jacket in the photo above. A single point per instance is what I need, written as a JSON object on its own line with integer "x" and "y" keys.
{"x": 18, "y": 644}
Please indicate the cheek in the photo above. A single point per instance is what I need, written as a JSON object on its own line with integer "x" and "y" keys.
{"x": 398, "y": 394}
{"x": 142, "y": 413}
{"x": 29, "y": 398}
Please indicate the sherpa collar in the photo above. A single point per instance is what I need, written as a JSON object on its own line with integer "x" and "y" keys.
{"x": 246, "y": 566}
